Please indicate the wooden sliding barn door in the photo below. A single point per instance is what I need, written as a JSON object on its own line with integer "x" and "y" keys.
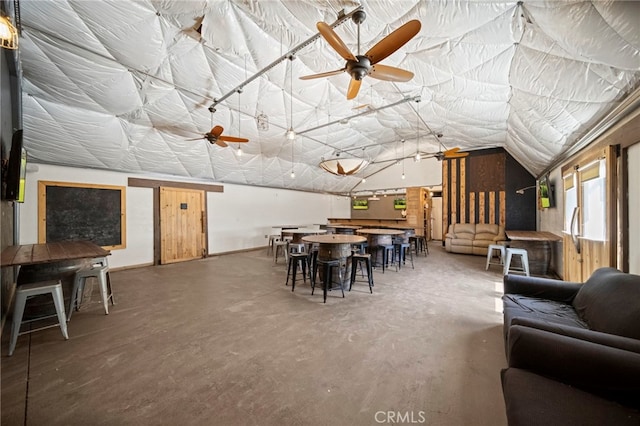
{"x": 182, "y": 224}
{"x": 589, "y": 240}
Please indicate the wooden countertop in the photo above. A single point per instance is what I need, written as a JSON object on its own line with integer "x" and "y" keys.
{"x": 334, "y": 239}
{"x": 532, "y": 236}
{"x": 32, "y": 254}
{"x": 378, "y": 231}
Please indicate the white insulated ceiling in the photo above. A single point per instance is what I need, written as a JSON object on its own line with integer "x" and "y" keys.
{"x": 121, "y": 85}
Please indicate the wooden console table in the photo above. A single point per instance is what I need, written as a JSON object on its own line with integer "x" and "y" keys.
{"x": 538, "y": 246}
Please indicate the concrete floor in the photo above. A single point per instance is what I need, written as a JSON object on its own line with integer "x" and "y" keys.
{"x": 222, "y": 341}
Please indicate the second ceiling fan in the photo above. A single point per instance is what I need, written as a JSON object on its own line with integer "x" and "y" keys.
{"x": 358, "y": 66}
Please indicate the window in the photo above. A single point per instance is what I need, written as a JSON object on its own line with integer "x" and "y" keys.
{"x": 570, "y": 200}
{"x": 594, "y": 201}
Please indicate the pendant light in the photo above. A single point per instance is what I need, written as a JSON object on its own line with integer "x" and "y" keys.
{"x": 417, "y": 158}
{"x": 290, "y": 134}
{"x": 402, "y": 158}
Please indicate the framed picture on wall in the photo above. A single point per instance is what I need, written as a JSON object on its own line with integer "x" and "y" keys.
{"x": 360, "y": 204}
{"x": 400, "y": 204}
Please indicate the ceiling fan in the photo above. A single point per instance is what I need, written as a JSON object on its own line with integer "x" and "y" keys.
{"x": 215, "y": 136}
{"x": 358, "y": 66}
{"x": 448, "y": 154}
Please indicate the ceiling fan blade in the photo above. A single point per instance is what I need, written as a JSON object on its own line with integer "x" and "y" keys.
{"x": 451, "y": 151}
{"x": 233, "y": 139}
{"x": 385, "y": 72}
{"x": 216, "y": 131}
{"x": 354, "y": 87}
{"x": 456, "y": 155}
{"x": 393, "y": 41}
{"x": 221, "y": 143}
{"x": 196, "y": 139}
{"x": 336, "y": 42}
{"x": 360, "y": 106}
{"x": 322, "y": 74}
{"x": 340, "y": 168}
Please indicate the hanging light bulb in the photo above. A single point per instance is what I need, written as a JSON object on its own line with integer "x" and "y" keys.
{"x": 363, "y": 180}
{"x": 402, "y": 158}
{"x": 290, "y": 134}
{"x": 239, "y": 151}
{"x": 417, "y": 158}
{"x": 293, "y": 175}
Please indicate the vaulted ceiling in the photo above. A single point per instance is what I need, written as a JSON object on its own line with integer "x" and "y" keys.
{"x": 122, "y": 85}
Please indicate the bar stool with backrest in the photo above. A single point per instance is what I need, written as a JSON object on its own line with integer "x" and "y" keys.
{"x": 99, "y": 270}
{"x": 24, "y": 292}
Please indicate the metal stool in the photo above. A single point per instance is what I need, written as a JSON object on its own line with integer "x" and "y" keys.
{"x": 524, "y": 258}
{"x": 25, "y": 291}
{"x": 420, "y": 244}
{"x": 100, "y": 271}
{"x": 401, "y": 249}
{"x": 283, "y": 246}
{"x": 388, "y": 252}
{"x": 294, "y": 259}
{"x": 327, "y": 266}
{"x": 356, "y": 260}
{"x": 491, "y": 255}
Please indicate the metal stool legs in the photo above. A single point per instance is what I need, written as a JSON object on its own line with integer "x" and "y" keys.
{"x": 22, "y": 294}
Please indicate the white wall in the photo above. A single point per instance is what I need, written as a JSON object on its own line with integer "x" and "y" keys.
{"x": 634, "y": 208}
{"x": 239, "y": 218}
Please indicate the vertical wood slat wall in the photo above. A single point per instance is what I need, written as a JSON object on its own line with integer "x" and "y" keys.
{"x": 459, "y": 205}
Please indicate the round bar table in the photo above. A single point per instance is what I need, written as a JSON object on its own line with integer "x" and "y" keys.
{"x": 379, "y": 237}
{"x": 336, "y": 246}
{"x": 298, "y": 233}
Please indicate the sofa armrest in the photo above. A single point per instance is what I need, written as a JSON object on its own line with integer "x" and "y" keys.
{"x": 610, "y": 372}
{"x": 615, "y": 341}
{"x": 543, "y": 288}
{"x": 450, "y": 235}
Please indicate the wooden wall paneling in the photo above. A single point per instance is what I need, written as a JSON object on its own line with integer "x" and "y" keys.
{"x": 492, "y": 207}
{"x": 454, "y": 191}
{"x": 472, "y": 207}
{"x": 612, "y": 205}
{"x": 481, "y": 208}
{"x": 463, "y": 198}
{"x": 503, "y": 208}
{"x": 445, "y": 198}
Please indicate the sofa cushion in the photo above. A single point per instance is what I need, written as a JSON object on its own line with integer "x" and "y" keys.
{"x": 534, "y": 399}
{"x": 465, "y": 231}
{"x": 548, "y": 311}
{"x": 487, "y": 231}
{"x": 462, "y": 242}
{"x": 609, "y": 301}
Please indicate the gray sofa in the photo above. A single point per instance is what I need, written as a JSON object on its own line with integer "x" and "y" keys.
{"x": 472, "y": 238}
{"x": 573, "y": 350}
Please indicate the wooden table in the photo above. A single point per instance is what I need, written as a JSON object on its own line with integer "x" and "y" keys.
{"x": 33, "y": 254}
{"x": 336, "y": 246}
{"x": 298, "y": 233}
{"x": 51, "y": 261}
{"x": 379, "y": 237}
{"x": 538, "y": 246}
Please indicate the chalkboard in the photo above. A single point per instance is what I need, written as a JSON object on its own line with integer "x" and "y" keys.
{"x": 71, "y": 212}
